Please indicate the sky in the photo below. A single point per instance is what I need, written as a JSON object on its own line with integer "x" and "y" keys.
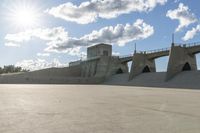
{"x": 37, "y": 34}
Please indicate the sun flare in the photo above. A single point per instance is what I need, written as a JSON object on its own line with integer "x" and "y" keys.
{"x": 24, "y": 15}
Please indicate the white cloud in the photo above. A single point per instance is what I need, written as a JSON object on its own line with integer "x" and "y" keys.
{"x": 183, "y": 15}
{"x": 90, "y": 11}
{"x": 76, "y": 52}
{"x": 176, "y": 1}
{"x": 59, "y": 41}
{"x": 11, "y": 44}
{"x": 39, "y": 64}
{"x": 116, "y": 53}
{"x": 43, "y": 54}
{"x": 120, "y": 35}
{"x": 52, "y": 35}
{"x": 191, "y": 33}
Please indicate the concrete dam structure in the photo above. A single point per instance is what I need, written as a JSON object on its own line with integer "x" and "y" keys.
{"x": 181, "y": 58}
{"x": 100, "y": 65}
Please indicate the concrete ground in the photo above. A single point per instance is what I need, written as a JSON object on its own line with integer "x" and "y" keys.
{"x": 98, "y": 109}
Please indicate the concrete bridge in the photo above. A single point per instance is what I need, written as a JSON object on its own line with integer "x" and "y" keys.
{"x": 181, "y": 58}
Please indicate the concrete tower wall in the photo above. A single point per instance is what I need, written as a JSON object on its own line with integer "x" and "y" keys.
{"x": 99, "y": 50}
{"x": 104, "y": 66}
{"x": 88, "y": 68}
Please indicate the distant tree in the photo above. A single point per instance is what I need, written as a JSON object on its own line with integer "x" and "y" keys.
{"x": 1, "y": 70}
{"x": 12, "y": 69}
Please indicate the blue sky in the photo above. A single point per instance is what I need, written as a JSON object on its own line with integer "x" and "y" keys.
{"x": 55, "y": 32}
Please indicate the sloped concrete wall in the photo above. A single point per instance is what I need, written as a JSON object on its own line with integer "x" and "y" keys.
{"x": 25, "y": 79}
{"x": 179, "y": 56}
{"x": 73, "y": 71}
{"x": 68, "y": 75}
{"x": 48, "y": 76}
{"x": 186, "y": 79}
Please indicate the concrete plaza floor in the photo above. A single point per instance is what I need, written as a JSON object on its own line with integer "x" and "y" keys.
{"x": 98, "y": 109}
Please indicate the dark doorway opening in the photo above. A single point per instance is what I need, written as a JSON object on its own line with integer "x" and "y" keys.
{"x": 186, "y": 67}
{"x": 119, "y": 71}
{"x": 146, "y": 70}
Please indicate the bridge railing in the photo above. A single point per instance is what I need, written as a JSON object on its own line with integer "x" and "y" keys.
{"x": 157, "y": 50}
{"x": 188, "y": 44}
{"x": 125, "y": 56}
{"x": 154, "y": 51}
{"x": 146, "y": 52}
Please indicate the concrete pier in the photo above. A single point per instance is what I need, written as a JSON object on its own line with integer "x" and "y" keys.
{"x": 145, "y": 62}
{"x": 141, "y": 64}
{"x": 180, "y": 59}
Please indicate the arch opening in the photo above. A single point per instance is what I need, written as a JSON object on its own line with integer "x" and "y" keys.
{"x": 186, "y": 67}
{"x": 119, "y": 71}
{"x": 198, "y": 61}
{"x": 146, "y": 70}
{"x": 129, "y": 66}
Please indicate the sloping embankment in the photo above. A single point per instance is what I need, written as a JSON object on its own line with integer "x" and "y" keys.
{"x": 67, "y": 75}
{"x": 186, "y": 79}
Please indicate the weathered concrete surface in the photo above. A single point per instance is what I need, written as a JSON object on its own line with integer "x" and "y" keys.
{"x": 97, "y": 109}
{"x": 104, "y": 66}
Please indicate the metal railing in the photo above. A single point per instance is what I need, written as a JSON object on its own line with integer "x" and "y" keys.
{"x": 188, "y": 44}
{"x": 146, "y": 52}
{"x": 154, "y": 51}
{"x": 158, "y": 50}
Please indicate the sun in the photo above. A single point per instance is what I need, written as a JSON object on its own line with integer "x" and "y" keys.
{"x": 24, "y": 15}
